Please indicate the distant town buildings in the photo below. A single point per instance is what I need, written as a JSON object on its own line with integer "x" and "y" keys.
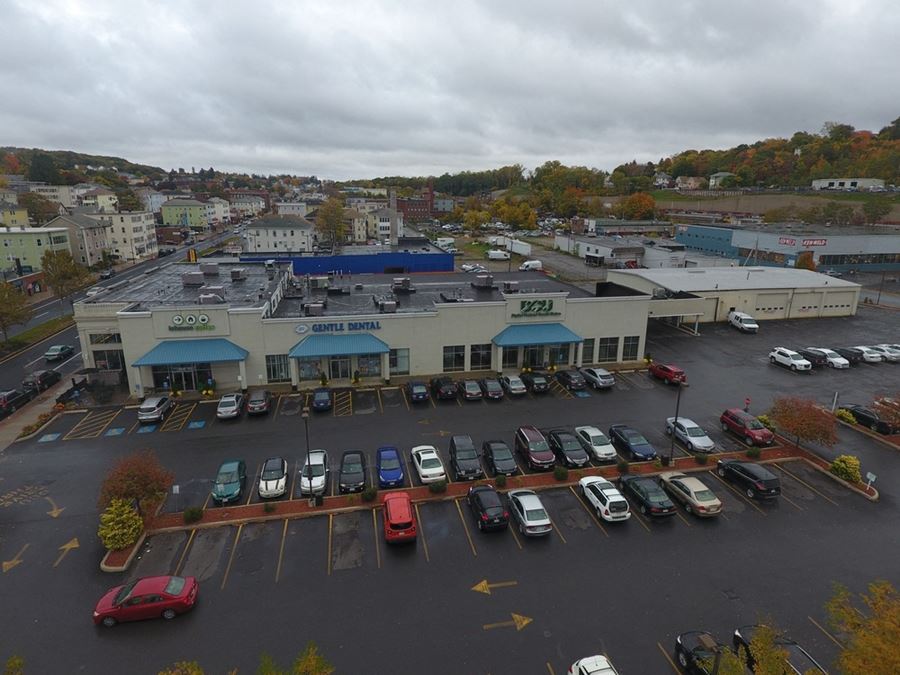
{"x": 280, "y": 234}
{"x": 848, "y": 184}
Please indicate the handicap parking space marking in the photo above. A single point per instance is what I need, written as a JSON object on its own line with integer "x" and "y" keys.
{"x": 92, "y": 425}
{"x": 560, "y": 391}
{"x": 343, "y": 403}
{"x": 115, "y": 431}
{"x": 196, "y": 424}
{"x": 146, "y": 429}
{"x": 46, "y": 438}
{"x": 583, "y": 393}
{"x": 179, "y": 416}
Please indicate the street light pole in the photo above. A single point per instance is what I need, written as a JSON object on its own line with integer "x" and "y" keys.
{"x": 305, "y": 416}
{"x": 672, "y": 439}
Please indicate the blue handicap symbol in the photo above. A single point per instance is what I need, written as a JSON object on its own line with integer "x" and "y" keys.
{"x": 115, "y": 431}
{"x": 197, "y": 424}
{"x": 582, "y": 394}
{"x": 147, "y": 429}
{"x": 46, "y": 438}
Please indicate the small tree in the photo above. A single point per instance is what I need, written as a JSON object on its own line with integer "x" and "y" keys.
{"x": 804, "y": 420}
{"x": 15, "y": 665}
{"x": 62, "y": 273}
{"x": 330, "y": 220}
{"x": 183, "y": 668}
{"x": 871, "y": 636}
{"x": 308, "y": 662}
{"x": 140, "y": 477}
{"x": 14, "y": 308}
{"x": 120, "y": 525}
{"x": 888, "y": 409}
{"x": 40, "y": 209}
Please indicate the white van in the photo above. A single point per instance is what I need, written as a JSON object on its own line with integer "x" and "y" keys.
{"x": 536, "y": 265}
{"x": 743, "y": 322}
{"x": 497, "y": 254}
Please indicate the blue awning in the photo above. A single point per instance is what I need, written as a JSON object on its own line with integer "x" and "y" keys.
{"x": 535, "y": 334}
{"x": 207, "y": 350}
{"x": 338, "y": 345}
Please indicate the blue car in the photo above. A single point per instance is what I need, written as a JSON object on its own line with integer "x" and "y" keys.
{"x": 417, "y": 392}
{"x": 631, "y": 442}
{"x": 321, "y": 399}
{"x": 389, "y": 467}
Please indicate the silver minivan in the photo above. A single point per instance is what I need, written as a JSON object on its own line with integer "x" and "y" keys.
{"x": 154, "y": 409}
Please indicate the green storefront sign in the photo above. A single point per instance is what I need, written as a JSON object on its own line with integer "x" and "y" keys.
{"x": 539, "y": 307}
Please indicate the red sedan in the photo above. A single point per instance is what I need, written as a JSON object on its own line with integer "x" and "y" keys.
{"x": 147, "y": 598}
{"x": 668, "y": 373}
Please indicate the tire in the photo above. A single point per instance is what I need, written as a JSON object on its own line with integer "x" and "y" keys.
{"x": 724, "y": 426}
{"x": 481, "y": 526}
{"x": 687, "y": 507}
{"x": 169, "y": 614}
{"x": 682, "y": 660}
{"x": 750, "y": 493}
{"x": 109, "y": 622}
{"x": 12, "y": 409}
{"x": 521, "y": 529}
{"x": 599, "y": 517}
{"x": 793, "y": 367}
{"x": 668, "y": 431}
{"x": 643, "y": 509}
{"x": 748, "y": 441}
{"x": 690, "y": 446}
{"x": 721, "y": 471}
{"x": 772, "y": 360}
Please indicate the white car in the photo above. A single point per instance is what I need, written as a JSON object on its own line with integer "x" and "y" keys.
{"x": 869, "y": 354}
{"x": 513, "y": 385}
{"x": 230, "y": 406}
{"x": 428, "y": 464}
{"x": 598, "y": 378}
{"x": 692, "y": 492}
{"x": 835, "y": 360}
{"x": 789, "y": 359}
{"x": 593, "y": 665}
{"x": 690, "y": 434}
{"x": 596, "y": 443}
{"x": 888, "y": 353}
{"x": 608, "y": 502}
{"x": 529, "y": 513}
{"x": 314, "y": 473}
{"x": 273, "y": 478}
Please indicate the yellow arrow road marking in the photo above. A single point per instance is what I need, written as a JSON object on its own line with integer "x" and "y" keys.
{"x": 518, "y": 621}
{"x": 55, "y": 511}
{"x": 9, "y": 564}
{"x": 65, "y": 548}
{"x": 485, "y": 587}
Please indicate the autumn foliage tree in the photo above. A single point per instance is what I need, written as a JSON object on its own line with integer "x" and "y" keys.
{"x": 14, "y": 308}
{"x": 804, "y": 419}
{"x": 888, "y": 409}
{"x": 639, "y": 206}
{"x": 871, "y": 635}
{"x": 137, "y": 477}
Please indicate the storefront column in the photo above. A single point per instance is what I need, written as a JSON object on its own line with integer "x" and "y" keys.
{"x": 386, "y": 366}
{"x": 295, "y": 374}
{"x": 579, "y": 354}
{"x": 138, "y": 383}
{"x": 498, "y": 360}
{"x": 242, "y": 375}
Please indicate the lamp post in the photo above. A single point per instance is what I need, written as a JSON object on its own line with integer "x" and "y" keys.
{"x": 305, "y": 416}
{"x": 672, "y": 439}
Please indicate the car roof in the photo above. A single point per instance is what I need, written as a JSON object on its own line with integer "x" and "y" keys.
{"x": 229, "y": 464}
{"x": 598, "y": 480}
{"x": 150, "y": 585}
{"x": 424, "y": 450}
{"x": 317, "y": 455}
{"x": 387, "y": 450}
{"x": 531, "y": 431}
{"x": 279, "y": 460}
{"x": 589, "y": 430}
{"x": 684, "y": 421}
{"x": 527, "y": 497}
{"x": 230, "y": 397}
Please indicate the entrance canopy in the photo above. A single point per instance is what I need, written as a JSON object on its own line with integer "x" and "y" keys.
{"x": 208, "y": 350}
{"x": 524, "y": 334}
{"x": 338, "y": 345}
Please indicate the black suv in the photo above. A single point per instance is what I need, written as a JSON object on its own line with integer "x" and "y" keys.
{"x": 757, "y": 480}
{"x": 12, "y": 400}
{"x": 870, "y": 418}
{"x": 444, "y": 388}
{"x": 568, "y": 449}
{"x": 571, "y": 379}
{"x": 40, "y": 380}
{"x": 464, "y": 458}
{"x": 852, "y": 354}
{"x": 536, "y": 382}
{"x": 814, "y": 356}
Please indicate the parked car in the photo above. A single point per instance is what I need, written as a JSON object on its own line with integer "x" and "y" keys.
{"x": 536, "y": 382}
{"x": 568, "y": 449}
{"x": 464, "y": 460}
{"x": 399, "y": 518}
{"x": 322, "y": 399}
{"x": 690, "y": 434}
{"x": 869, "y": 355}
{"x": 470, "y": 390}
{"x": 154, "y": 409}
{"x": 40, "y": 380}
{"x": 529, "y": 513}
{"x": 798, "y": 659}
{"x": 444, "y": 388}
{"x": 314, "y": 473}
{"x": 534, "y": 449}
{"x": 230, "y": 480}
{"x": 12, "y": 400}
{"x": 789, "y": 359}
{"x": 598, "y": 378}
{"x": 273, "y": 478}
{"x": 491, "y": 388}
{"x": 499, "y": 458}
{"x": 606, "y": 500}
{"x": 746, "y": 426}
{"x": 596, "y": 443}
{"x": 631, "y": 442}
{"x": 389, "y": 467}
{"x": 693, "y": 493}
{"x": 852, "y": 354}
{"x": 163, "y": 252}
{"x": 428, "y": 464}
{"x": 487, "y": 508}
{"x": 108, "y": 273}
{"x": 352, "y": 474}
{"x": 147, "y": 598}
{"x": 888, "y": 353}
{"x": 59, "y": 352}
{"x": 593, "y": 665}
{"x": 651, "y": 499}
{"x": 755, "y": 479}
{"x": 868, "y": 417}
{"x": 571, "y": 379}
{"x": 695, "y": 652}
{"x": 668, "y": 373}
{"x": 259, "y": 402}
{"x": 814, "y": 356}
{"x": 743, "y": 322}
{"x": 513, "y": 385}
{"x": 230, "y": 406}
{"x": 417, "y": 392}
{"x": 832, "y": 358}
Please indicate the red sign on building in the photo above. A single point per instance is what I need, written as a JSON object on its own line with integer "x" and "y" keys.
{"x": 787, "y": 241}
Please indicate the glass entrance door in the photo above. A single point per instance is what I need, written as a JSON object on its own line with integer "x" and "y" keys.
{"x": 184, "y": 378}
{"x": 339, "y": 367}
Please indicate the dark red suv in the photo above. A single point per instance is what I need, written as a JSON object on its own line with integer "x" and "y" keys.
{"x": 668, "y": 372}
{"x": 745, "y": 425}
{"x": 534, "y": 448}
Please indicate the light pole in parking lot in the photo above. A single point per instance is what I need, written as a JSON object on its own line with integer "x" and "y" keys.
{"x": 305, "y": 416}
{"x": 672, "y": 439}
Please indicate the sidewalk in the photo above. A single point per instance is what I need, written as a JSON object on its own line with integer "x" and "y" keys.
{"x": 12, "y": 426}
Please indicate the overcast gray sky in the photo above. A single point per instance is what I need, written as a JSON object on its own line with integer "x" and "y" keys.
{"x": 360, "y": 89}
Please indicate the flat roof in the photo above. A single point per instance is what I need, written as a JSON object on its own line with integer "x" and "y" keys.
{"x": 362, "y": 290}
{"x": 736, "y": 278}
{"x": 807, "y": 228}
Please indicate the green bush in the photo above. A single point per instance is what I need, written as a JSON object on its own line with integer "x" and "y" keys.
{"x": 845, "y": 415}
{"x": 120, "y": 525}
{"x": 622, "y": 466}
{"x": 657, "y": 463}
{"x": 701, "y": 458}
{"x": 500, "y": 480}
{"x": 847, "y": 468}
{"x": 192, "y": 514}
{"x": 766, "y": 421}
{"x": 560, "y": 473}
{"x": 753, "y": 452}
{"x": 369, "y": 494}
{"x": 270, "y": 507}
{"x": 438, "y": 487}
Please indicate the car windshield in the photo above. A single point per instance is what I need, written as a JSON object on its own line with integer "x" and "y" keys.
{"x": 830, "y": 354}
{"x": 599, "y": 439}
{"x": 539, "y": 379}
{"x": 228, "y": 403}
{"x": 515, "y": 382}
{"x": 431, "y": 463}
{"x": 493, "y": 385}
{"x": 656, "y": 496}
{"x": 705, "y": 496}
{"x": 124, "y": 592}
{"x": 535, "y": 514}
{"x": 466, "y": 453}
{"x": 796, "y": 357}
{"x": 570, "y": 444}
{"x": 175, "y": 585}
{"x": 471, "y": 386}
{"x": 352, "y": 465}
{"x": 257, "y": 398}
{"x": 539, "y": 446}
{"x": 322, "y": 396}
{"x": 636, "y": 439}
{"x": 272, "y": 470}
{"x": 314, "y": 470}
{"x": 695, "y": 432}
{"x": 418, "y": 388}
{"x": 501, "y": 452}
{"x": 227, "y": 477}
{"x": 148, "y": 408}
{"x": 755, "y": 424}
{"x": 390, "y": 463}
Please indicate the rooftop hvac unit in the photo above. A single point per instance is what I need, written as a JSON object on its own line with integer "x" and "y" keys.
{"x": 510, "y": 286}
{"x": 238, "y": 274}
{"x": 315, "y": 309}
{"x": 210, "y": 269}
{"x": 192, "y": 279}
{"x": 217, "y": 289}
{"x": 318, "y": 282}
{"x": 388, "y": 306}
{"x": 483, "y": 281}
{"x": 402, "y": 285}
{"x": 210, "y": 299}
{"x": 660, "y": 293}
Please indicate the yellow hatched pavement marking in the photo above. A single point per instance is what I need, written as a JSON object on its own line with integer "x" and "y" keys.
{"x": 179, "y": 418}
{"x": 92, "y": 425}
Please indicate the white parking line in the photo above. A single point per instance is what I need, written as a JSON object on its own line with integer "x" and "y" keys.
{"x": 38, "y": 316}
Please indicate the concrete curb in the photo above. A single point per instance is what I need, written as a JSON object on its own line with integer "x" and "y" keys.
{"x": 104, "y": 567}
{"x": 851, "y": 486}
{"x": 36, "y": 431}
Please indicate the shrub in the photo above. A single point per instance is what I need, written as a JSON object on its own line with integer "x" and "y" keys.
{"x": 845, "y": 415}
{"x": 622, "y": 466}
{"x": 138, "y": 476}
{"x": 754, "y": 452}
{"x": 193, "y": 514}
{"x": 560, "y": 473}
{"x": 766, "y": 421}
{"x": 120, "y": 525}
{"x": 500, "y": 480}
{"x": 701, "y": 458}
{"x": 369, "y": 494}
{"x": 658, "y": 463}
{"x": 438, "y": 487}
{"x": 847, "y": 468}
{"x": 270, "y": 507}
{"x": 351, "y": 498}
{"x": 42, "y": 419}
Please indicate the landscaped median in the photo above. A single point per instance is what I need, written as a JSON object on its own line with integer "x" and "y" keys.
{"x": 116, "y": 561}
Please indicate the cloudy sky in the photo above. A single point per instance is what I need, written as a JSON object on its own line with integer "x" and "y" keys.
{"x": 360, "y": 89}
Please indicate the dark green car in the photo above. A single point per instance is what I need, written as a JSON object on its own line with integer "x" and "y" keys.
{"x": 229, "y": 482}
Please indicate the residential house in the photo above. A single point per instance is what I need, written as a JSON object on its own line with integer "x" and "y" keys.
{"x": 88, "y": 237}
{"x": 105, "y": 201}
{"x": 23, "y": 247}
{"x": 13, "y": 215}
{"x": 218, "y": 211}
{"x": 366, "y": 205}
{"x": 384, "y": 225}
{"x": 7, "y": 195}
{"x": 236, "y": 193}
{"x": 690, "y": 183}
{"x": 443, "y": 205}
{"x": 248, "y": 206}
{"x": 355, "y": 224}
{"x": 281, "y": 234}
{"x": 132, "y": 234}
{"x": 64, "y": 194}
{"x": 662, "y": 180}
{"x": 151, "y": 199}
{"x": 715, "y": 180}
{"x": 291, "y": 209}
{"x": 183, "y": 212}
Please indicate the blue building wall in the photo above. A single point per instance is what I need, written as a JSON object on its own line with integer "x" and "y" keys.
{"x": 391, "y": 262}
{"x": 706, "y": 239}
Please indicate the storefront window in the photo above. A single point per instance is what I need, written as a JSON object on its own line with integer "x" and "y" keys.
{"x": 608, "y": 349}
{"x": 310, "y": 369}
{"x": 587, "y": 352}
{"x": 630, "y": 347}
{"x": 369, "y": 365}
{"x": 109, "y": 359}
{"x": 277, "y": 368}
{"x": 480, "y": 357}
{"x": 454, "y": 359}
{"x": 559, "y": 355}
{"x": 533, "y": 356}
{"x": 399, "y": 360}
{"x": 103, "y": 338}
{"x": 510, "y": 357}
{"x": 182, "y": 377}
